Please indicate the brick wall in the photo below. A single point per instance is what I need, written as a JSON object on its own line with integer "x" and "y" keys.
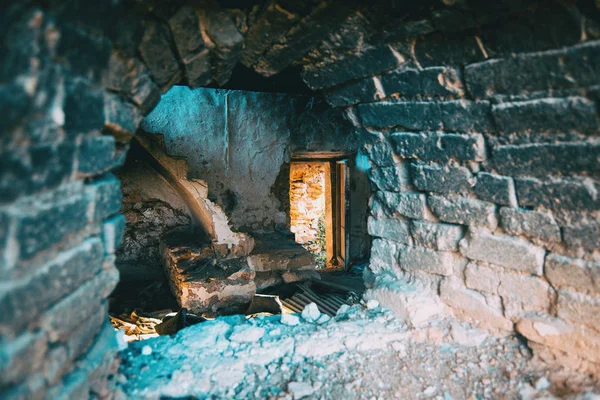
{"x": 480, "y": 121}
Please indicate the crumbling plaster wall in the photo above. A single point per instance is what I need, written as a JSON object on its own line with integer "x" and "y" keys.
{"x": 152, "y": 207}
{"x": 521, "y": 76}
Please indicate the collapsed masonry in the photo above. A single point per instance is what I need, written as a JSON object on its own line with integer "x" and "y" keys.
{"x": 480, "y": 124}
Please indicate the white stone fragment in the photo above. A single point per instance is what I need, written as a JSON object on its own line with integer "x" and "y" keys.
{"x": 300, "y": 390}
{"x": 289, "y": 319}
{"x": 430, "y": 391}
{"x": 323, "y": 319}
{"x": 311, "y": 312}
{"x": 542, "y": 384}
{"x": 372, "y": 304}
{"x": 121, "y": 342}
{"x": 246, "y": 334}
{"x": 146, "y": 350}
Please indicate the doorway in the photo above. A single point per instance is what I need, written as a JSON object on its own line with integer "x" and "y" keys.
{"x": 319, "y": 208}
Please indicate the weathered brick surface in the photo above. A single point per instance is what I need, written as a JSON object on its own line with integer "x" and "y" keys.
{"x": 453, "y": 116}
{"x": 431, "y": 146}
{"x": 580, "y": 275}
{"x": 22, "y": 357}
{"x": 362, "y": 91}
{"x": 366, "y": 63}
{"x": 576, "y": 66}
{"x": 579, "y": 308}
{"x": 553, "y": 115}
{"x": 105, "y": 194}
{"x": 421, "y": 259}
{"x": 437, "y": 236}
{"x": 586, "y": 235}
{"x": 471, "y": 305}
{"x": 531, "y": 292}
{"x": 503, "y": 250}
{"x": 155, "y": 49}
{"x": 406, "y": 204}
{"x": 517, "y": 221}
{"x": 464, "y": 210}
{"x": 384, "y": 255}
{"x": 380, "y": 153}
{"x": 192, "y": 46}
{"x": 96, "y": 154}
{"x": 542, "y": 159}
{"x": 30, "y": 297}
{"x": 60, "y": 320}
{"x": 495, "y": 189}
{"x": 112, "y": 233}
{"x": 433, "y": 81}
{"x": 393, "y": 178}
{"x": 446, "y": 179}
{"x": 395, "y": 229}
{"x": 570, "y": 194}
{"x": 43, "y": 225}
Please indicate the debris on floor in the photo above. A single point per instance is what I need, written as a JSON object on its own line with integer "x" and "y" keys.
{"x": 360, "y": 353}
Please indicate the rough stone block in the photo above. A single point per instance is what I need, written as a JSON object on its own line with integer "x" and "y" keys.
{"x": 46, "y": 225}
{"x": 496, "y": 189}
{"x": 446, "y": 179}
{"x": 570, "y": 194}
{"x": 481, "y": 278}
{"x": 83, "y": 107}
{"x": 580, "y": 275}
{"x": 130, "y": 77}
{"x": 384, "y": 255}
{"x": 406, "y": 204}
{"x": 393, "y": 178}
{"x": 96, "y": 155}
{"x": 579, "y": 308}
{"x": 532, "y": 292}
{"x": 121, "y": 118}
{"x": 105, "y": 194}
{"x": 556, "y": 333}
{"x": 21, "y": 357}
{"x": 453, "y": 116}
{"x": 395, "y": 229}
{"x": 56, "y": 279}
{"x": 433, "y": 146}
{"x": 552, "y": 115}
{"x": 437, "y": 236}
{"x": 228, "y": 42}
{"x": 380, "y": 153}
{"x": 470, "y": 305}
{"x": 191, "y": 45}
{"x": 155, "y": 49}
{"x": 433, "y": 81}
{"x": 86, "y": 54}
{"x": 586, "y": 235}
{"x": 575, "y": 66}
{"x": 420, "y": 259}
{"x": 541, "y": 225}
{"x": 112, "y": 233}
{"x": 542, "y": 159}
{"x": 203, "y": 283}
{"x": 411, "y": 301}
{"x": 362, "y": 91}
{"x": 357, "y": 65}
{"x": 36, "y": 168}
{"x": 464, "y": 211}
{"x": 503, "y": 250}
{"x": 64, "y": 317}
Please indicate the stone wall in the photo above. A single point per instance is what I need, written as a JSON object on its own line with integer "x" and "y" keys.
{"x": 307, "y": 200}
{"x": 152, "y": 207}
{"x": 485, "y": 173}
{"x": 483, "y": 135}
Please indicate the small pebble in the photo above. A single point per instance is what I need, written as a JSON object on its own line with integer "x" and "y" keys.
{"x": 146, "y": 350}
